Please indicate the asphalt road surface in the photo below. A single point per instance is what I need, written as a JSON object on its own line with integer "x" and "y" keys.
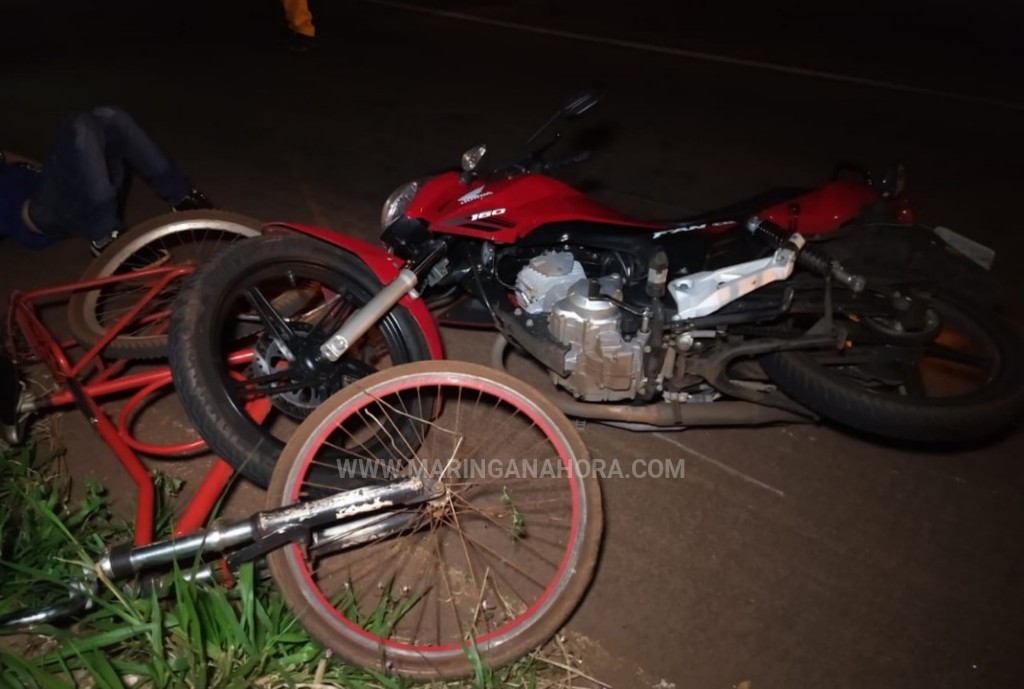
{"x": 789, "y": 557}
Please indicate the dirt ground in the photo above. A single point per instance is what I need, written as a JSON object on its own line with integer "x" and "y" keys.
{"x": 787, "y": 556}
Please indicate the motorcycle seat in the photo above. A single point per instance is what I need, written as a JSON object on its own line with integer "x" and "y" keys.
{"x": 739, "y": 210}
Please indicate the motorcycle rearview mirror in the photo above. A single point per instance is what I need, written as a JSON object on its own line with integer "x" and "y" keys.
{"x": 471, "y": 158}
{"x": 580, "y": 103}
{"x": 577, "y": 104}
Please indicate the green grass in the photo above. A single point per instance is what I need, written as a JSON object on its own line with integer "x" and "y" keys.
{"x": 195, "y": 636}
{"x": 44, "y": 535}
{"x": 517, "y": 525}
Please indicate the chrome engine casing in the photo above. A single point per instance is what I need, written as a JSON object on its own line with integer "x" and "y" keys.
{"x": 602, "y": 366}
{"x": 546, "y": 279}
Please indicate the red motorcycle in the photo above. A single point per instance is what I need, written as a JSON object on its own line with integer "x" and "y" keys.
{"x": 793, "y": 305}
{"x": 787, "y": 307}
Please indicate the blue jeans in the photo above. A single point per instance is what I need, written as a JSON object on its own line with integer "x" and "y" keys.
{"x": 85, "y": 176}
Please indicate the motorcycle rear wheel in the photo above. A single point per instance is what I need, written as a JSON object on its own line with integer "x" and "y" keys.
{"x": 214, "y": 318}
{"x": 965, "y": 384}
{"x": 489, "y": 570}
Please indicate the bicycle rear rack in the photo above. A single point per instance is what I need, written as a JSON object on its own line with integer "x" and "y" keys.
{"x": 83, "y": 381}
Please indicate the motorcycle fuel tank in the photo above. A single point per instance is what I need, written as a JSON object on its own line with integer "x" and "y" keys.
{"x": 504, "y": 211}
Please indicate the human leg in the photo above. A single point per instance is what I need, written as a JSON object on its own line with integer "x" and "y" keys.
{"x": 128, "y": 144}
{"x": 299, "y": 18}
{"x": 84, "y": 175}
{"x": 78, "y": 190}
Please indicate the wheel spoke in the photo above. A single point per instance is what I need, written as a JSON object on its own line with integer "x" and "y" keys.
{"x": 269, "y": 384}
{"x": 913, "y": 381}
{"x": 150, "y": 245}
{"x": 278, "y": 326}
{"x": 946, "y": 353}
{"x": 333, "y": 314}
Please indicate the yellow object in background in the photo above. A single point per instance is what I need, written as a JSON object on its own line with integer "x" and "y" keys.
{"x": 300, "y": 19}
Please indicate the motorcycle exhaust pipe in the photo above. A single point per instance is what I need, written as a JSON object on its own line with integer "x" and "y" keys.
{"x": 669, "y": 414}
{"x": 663, "y": 414}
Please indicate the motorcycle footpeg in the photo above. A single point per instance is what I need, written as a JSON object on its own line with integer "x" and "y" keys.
{"x": 810, "y": 257}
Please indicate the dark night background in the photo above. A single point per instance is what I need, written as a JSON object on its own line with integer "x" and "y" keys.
{"x": 975, "y": 47}
{"x": 863, "y": 565}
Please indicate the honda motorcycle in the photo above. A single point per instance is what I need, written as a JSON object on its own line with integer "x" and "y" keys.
{"x": 794, "y": 306}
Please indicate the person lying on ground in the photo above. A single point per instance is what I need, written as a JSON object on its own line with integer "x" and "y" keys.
{"x": 81, "y": 188}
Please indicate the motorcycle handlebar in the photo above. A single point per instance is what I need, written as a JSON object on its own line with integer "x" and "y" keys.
{"x": 565, "y": 162}
{"x": 535, "y": 164}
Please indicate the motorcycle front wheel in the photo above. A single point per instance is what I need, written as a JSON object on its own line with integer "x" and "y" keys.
{"x": 248, "y": 320}
{"x": 483, "y": 573}
{"x": 173, "y": 239}
{"x": 963, "y": 382}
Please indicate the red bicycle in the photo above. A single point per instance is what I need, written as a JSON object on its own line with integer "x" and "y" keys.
{"x": 434, "y": 559}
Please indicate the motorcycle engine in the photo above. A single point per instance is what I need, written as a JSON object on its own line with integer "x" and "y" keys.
{"x": 601, "y": 365}
{"x": 546, "y": 279}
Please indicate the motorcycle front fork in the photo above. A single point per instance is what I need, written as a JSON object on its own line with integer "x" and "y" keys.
{"x": 404, "y": 283}
{"x": 362, "y": 320}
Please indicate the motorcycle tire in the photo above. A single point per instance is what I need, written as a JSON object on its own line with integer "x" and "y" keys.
{"x": 184, "y": 238}
{"x": 203, "y": 334}
{"x": 909, "y": 413}
{"x": 494, "y": 566}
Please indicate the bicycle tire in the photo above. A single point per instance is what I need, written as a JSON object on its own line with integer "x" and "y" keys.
{"x": 538, "y": 575}
{"x": 186, "y": 237}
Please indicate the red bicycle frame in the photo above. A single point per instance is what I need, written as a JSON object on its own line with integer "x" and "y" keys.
{"x": 83, "y": 381}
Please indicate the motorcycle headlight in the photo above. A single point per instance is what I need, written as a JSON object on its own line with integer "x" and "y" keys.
{"x": 396, "y": 203}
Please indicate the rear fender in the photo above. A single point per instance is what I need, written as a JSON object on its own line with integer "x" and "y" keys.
{"x": 824, "y": 210}
{"x": 384, "y": 265}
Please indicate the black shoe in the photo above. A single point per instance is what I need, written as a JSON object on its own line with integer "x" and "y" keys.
{"x": 97, "y": 246}
{"x": 300, "y": 43}
{"x": 196, "y": 200}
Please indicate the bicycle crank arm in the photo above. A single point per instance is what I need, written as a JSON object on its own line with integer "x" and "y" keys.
{"x": 124, "y": 560}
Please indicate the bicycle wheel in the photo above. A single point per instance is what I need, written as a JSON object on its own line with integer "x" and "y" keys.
{"x": 185, "y": 238}
{"x": 492, "y": 567}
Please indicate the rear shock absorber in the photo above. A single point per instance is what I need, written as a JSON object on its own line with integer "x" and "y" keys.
{"x": 810, "y": 257}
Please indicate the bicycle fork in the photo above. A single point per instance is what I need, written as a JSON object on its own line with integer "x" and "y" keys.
{"x": 302, "y": 522}
{"x": 328, "y": 524}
